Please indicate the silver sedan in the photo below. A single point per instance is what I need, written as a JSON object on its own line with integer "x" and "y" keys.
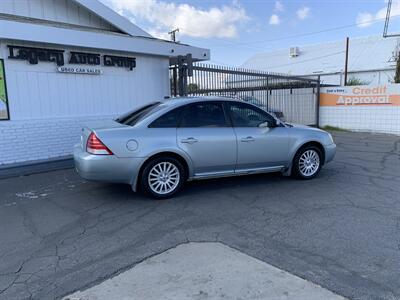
{"x": 156, "y": 148}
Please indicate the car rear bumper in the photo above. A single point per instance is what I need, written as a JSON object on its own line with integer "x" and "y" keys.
{"x": 108, "y": 168}
{"x": 330, "y": 151}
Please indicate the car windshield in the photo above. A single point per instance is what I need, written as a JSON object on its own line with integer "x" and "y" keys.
{"x": 132, "y": 117}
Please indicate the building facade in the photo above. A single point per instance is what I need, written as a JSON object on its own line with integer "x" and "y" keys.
{"x": 371, "y": 103}
{"x": 68, "y": 62}
{"x": 372, "y": 60}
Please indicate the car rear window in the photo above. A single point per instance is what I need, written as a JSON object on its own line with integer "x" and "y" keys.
{"x": 132, "y": 117}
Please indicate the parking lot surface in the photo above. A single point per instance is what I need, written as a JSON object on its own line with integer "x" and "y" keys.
{"x": 204, "y": 270}
{"x": 59, "y": 233}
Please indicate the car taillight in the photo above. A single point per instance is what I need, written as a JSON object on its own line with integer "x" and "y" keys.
{"x": 95, "y": 146}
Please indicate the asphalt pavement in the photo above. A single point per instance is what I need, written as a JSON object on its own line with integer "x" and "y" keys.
{"x": 341, "y": 231}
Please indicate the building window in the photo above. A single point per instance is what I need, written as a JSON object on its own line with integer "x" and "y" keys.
{"x": 4, "y": 113}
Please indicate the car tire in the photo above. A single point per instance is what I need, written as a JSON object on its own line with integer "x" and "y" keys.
{"x": 307, "y": 162}
{"x": 162, "y": 177}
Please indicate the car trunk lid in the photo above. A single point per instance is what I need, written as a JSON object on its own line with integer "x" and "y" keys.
{"x": 95, "y": 126}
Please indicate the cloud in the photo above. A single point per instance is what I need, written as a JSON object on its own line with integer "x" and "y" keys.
{"x": 303, "y": 13}
{"x": 164, "y": 16}
{"x": 365, "y": 19}
{"x": 278, "y": 6}
{"x": 274, "y": 20}
{"x": 159, "y": 33}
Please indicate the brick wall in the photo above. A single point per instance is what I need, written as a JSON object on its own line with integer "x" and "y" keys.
{"x": 30, "y": 140}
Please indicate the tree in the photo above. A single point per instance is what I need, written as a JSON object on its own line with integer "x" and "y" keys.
{"x": 397, "y": 75}
{"x": 192, "y": 87}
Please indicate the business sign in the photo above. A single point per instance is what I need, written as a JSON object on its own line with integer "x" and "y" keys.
{"x": 4, "y": 114}
{"x": 361, "y": 95}
{"x": 80, "y": 70}
{"x": 36, "y": 55}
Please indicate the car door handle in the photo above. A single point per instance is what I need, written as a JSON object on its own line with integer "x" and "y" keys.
{"x": 248, "y": 139}
{"x": 190, "y": 140}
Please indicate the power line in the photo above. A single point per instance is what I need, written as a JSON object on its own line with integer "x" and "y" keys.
{"x": 307, "y": 60}
{"x": 248, "y": 45}
{"x": 314, "y": 32}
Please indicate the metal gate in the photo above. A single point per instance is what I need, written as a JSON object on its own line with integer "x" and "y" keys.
{"x": 296, "y": 98}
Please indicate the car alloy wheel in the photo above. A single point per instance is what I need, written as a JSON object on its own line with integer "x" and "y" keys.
{"x": 309, "y": 163}
{"x": 164, "y": 178}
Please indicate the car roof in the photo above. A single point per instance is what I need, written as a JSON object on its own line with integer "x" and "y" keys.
{"x": 171, "y": 103}
{"x": 178, "y": 101}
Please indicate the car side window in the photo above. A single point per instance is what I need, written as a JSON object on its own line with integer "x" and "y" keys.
{"x": 168, "y": 120}
{"x": 245, "y": 115}
{"x": 204, "y": 114}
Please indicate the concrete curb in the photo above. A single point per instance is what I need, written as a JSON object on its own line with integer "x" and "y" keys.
{"x": 38, "y": 166}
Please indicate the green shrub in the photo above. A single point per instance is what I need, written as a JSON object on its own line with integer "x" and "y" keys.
{"x": 356, "y": 81}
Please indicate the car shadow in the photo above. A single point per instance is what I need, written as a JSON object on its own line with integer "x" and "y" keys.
{"x": 198, "y": 187}
{"x": 123, "y": 192}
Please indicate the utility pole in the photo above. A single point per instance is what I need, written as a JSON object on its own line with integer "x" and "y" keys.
{"x": 387, "y": 19}
{"x": 397, "y": 74}
{"x": 172, "y": 33}
{"x": 346, "y": 61}
{"x": 385, "y": 35}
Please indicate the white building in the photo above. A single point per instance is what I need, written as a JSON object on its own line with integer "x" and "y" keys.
{"x": 70, "y": 61}
{"x": 371, "y": 60}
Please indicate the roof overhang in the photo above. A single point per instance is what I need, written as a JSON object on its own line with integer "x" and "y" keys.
{"x": 112, "y": 17}
{"x": 28, "y": 32}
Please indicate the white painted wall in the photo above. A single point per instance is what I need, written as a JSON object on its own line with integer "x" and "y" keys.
{"x": 65, "y": 11}
{"x": 378, "y": 119}
{"x": 40, "y": 92}
{"x": 47, "y": 108}
{"x": 357, "y": 108}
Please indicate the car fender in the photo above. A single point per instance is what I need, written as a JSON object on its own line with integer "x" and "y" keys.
{"x": 179, "y": 152}
{"x": 295, "y": 147}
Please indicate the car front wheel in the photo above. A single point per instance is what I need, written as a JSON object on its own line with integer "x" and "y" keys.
{"x": 162, "y": 177}
{"x": 307, "y": 162}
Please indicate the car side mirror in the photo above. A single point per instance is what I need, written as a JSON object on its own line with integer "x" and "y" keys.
{"x": 270, "y": 124}
{"x": 266, "y": 124}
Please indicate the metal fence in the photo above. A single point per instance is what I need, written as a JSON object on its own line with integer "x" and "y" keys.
{"x": 297, "y": 98}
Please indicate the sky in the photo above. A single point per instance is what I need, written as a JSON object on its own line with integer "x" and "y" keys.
{"x": 234, "y": 30}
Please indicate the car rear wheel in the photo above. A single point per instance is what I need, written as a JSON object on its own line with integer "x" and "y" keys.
{"x": 162, "y": 177}
{"x": 307, "y": 162}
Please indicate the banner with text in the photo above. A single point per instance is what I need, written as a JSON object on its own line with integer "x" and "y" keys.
{"x": 362, "y": 95}
{"x": 3, "y": 93}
